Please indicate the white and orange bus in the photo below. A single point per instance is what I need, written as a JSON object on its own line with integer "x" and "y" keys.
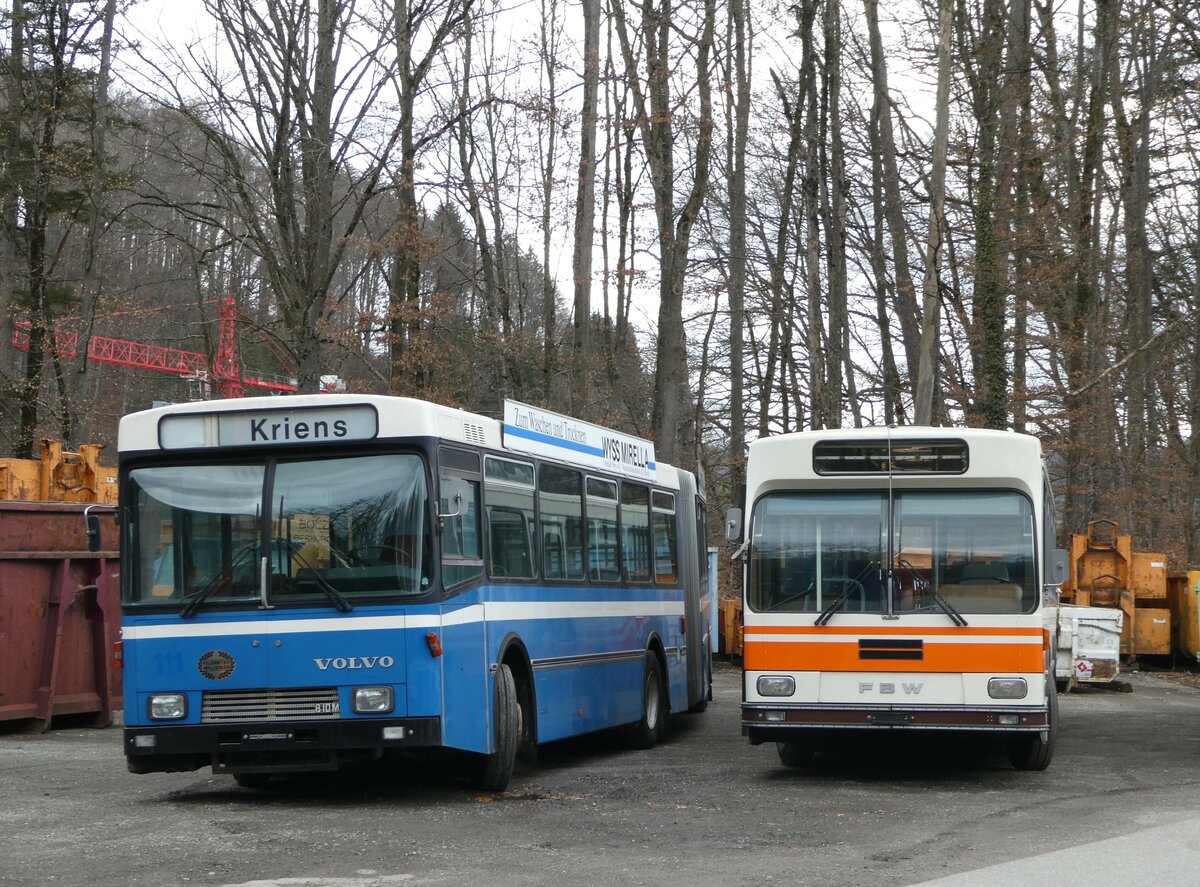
{"x": 894, "y": 580}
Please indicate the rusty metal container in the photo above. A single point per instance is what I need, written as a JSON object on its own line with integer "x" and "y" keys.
{"x": 1183, "y": 600}
{"x": 1152, "y": 631}
{"x": 1148, "y": 577}
{"x": 60, "y": 615}
{"x": 1100, "y": 565}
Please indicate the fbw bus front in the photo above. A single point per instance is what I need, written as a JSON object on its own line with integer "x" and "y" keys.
{"x": 894, "y": 580}
{"x": 313, "y": 580}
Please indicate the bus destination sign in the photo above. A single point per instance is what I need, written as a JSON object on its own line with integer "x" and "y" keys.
{"x": 541, "y": 433}
{"x": 242, "y": 428}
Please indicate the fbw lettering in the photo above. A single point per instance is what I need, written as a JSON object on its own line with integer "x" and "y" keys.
{"x": 288, "y": 430}
{"x": 887, "y": 689}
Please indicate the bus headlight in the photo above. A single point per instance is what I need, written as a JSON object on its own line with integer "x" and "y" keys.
{"x": 372, "y": 700}
{"x": 1007, "y": 688}
{"x": 776, "y": 685}
{"x": 167, "y": 706}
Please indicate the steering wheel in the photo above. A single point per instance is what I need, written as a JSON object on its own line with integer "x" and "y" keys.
{"x": 387, "y": 554}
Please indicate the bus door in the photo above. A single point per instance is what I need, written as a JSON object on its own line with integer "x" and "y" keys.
{"x": 467, "y": 655}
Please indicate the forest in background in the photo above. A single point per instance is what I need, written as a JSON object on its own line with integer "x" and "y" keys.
{"x": 699, "y": 222}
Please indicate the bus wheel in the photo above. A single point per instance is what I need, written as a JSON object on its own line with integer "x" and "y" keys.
{"x": 705, "y": 691}
{"x": 650, "y": 728}
{"x": 1034, "y": 751}
{"x": 527, "y": 747}
{"x": 796, "y": 754}
{"x": 252, "y": 780}
{"x": 495, "y": 770}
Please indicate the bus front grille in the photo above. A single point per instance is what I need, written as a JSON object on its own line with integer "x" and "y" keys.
{"x": 293, "y": 704}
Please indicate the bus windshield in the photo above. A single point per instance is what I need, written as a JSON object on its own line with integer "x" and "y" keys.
{"x": 974, "y": 549}
{"x": 353, "y": 527}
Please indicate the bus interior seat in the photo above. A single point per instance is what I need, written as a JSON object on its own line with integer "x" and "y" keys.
{"x": 984, "y": 588}
{"x": 983, "y": 573}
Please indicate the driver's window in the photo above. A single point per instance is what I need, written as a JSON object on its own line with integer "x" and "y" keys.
{"x": 458, "y": 505}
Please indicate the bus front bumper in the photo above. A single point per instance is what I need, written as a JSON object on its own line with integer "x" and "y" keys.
{"x": 272, "y": 747}
{"x": 775, "y": 723}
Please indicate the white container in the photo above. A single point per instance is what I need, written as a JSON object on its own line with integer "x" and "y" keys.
{"x": 1088, "y": 649}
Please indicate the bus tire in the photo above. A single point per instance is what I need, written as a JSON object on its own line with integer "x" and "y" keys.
{"x": 527, "y": 747}
{"x": 495, "y": 770}
{"x": 705, "y": 691}
{"x": 252, "y": 780}
{"x": 798, "y": 753}
{"x": 1034, "y": 751}
{"x": 650, "y": 728}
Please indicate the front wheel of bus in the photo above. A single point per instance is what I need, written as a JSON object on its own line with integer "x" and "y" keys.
{"x": 796, "y": 754}
{"x": 252, "y": 780}
{"x": 495, "y": 770}
{"x": 1033, "y": 752}
{"x": 650, "y": 728}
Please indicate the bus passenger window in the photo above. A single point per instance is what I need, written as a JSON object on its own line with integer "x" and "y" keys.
{"x": 635, "y": 532}
{"x": 508, "y": 491}
{"x": 602, "y": 530}
{"x": 666, "y": 554}
{"x": 560, "y": 493}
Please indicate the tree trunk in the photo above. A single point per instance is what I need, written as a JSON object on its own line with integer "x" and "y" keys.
{"x": 672, "y": 394}
{"x": 81, "y": 372}
{"x": 906, "y": 299}
{"x": 740, "y": 97}
{"x": 585, "y": 212}
{"x": 929, "y": 346}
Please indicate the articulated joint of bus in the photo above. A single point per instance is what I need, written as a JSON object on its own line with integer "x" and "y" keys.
{"x": 775, "y": 723}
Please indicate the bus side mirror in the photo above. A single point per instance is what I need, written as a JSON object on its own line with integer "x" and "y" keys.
{"x": 733, "y": 525}
{"x": 458, "y": 495}
{"x": 93, "y": 532}
{"x": 91, "y": 523}
{"x": 1060, "y": 566}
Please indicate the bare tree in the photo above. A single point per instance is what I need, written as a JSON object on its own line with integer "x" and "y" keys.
{"x": 656, "y": 112}
{"x": 931, "y": 305}
{"x": 91, "y": 291}
{"x": 421, "y": 31}
{"x": 738, "y": 93}
{"x": 293, "y": 147}
{"x": 585, "y": 210}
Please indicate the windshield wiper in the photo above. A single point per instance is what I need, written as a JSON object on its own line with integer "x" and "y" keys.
{"x": 945, "y": 605}
{"x": 326, "y": 587}
{"x": 226, "y": 575}
{"x": 926, "y": 587}
{"x": 849, "y": 586}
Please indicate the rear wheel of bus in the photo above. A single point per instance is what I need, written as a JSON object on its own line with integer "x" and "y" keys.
{"x": 1034, "y": 751}
{"x": 495, "y": 770}
{"x": 652, "y": 727}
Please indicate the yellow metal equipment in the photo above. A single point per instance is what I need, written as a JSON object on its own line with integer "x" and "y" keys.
{"x": 1106, "y": 572}
{"x": 1183, "y": 601}
{"x": 59, "y": 476}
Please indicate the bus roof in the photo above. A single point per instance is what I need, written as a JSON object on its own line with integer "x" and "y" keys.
{"x": 986, "y": 458}
{"x": 313, "y": 418}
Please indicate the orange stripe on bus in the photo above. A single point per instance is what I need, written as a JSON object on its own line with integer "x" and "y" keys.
{"x": 832, "y": 656}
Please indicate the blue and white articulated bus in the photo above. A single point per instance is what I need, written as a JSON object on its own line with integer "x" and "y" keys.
{"x": 309, "y": 581}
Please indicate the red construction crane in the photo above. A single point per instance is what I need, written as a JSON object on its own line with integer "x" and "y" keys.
{"x": 225, "y": 370}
